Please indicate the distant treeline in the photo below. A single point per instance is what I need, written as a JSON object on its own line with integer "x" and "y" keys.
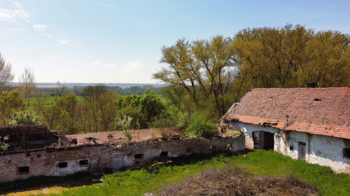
{"x": 122, "y": 85}
{"x": 77, "y": 90}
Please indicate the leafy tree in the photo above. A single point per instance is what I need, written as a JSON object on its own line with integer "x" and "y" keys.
{"x": 6, "y": 75}
{"x": 200, "y": 126}
{"x": 23, "y": 118}
{"x": 67, "y": 105}
{"x": 204, "y": 68}
{"x": 27, "y": 85}
{"x": 10, "y": 101}
{"x": 151, "y": 106}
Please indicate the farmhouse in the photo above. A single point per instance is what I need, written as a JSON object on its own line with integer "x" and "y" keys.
{"x": 35, "y": 151}
{"x": 312, "y": 124}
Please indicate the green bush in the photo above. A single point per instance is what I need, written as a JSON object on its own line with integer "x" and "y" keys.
{"x": 200, "y": 126}
{"x": 23, "y": 118}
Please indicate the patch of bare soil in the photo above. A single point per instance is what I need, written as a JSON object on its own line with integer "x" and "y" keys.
{"x": 236, "y": 182}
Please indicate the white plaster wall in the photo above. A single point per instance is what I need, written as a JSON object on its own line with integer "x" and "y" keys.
{"x": 328, "y": 151}
{"x": 323, "y": 150}
{"x": 248, "y": 133}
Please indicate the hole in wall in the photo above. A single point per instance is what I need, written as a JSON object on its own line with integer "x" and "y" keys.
{"x": 27, "y": 154}
{"x": 23, "y": 170}
{"x": 189, "y": 150}
{"x": 83, "y": 162}
{"x": 89, "y": 139}
{"x": 62, "y": 164}
{"x": 74, "y": 141}
{"x": 291, "y": 148}
{"x": 346, "y": 153}
{"x": 164, "y": 154}
{"x": 138, "y": 156}
{"x": 38, "y": 155}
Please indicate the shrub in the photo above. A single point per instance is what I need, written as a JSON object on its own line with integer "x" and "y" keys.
{"x": 125, "y": 125}
{"x": 200, "y": 126}
{"x": 23, "y": 118}
{"x": 3, "y": 145}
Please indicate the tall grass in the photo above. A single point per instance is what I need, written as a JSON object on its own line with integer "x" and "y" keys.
{"x": 256, "y": 163}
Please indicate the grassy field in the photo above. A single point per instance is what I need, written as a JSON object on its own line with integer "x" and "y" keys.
{"x": 51, "y": 100}
{"x": 256, "y": 163}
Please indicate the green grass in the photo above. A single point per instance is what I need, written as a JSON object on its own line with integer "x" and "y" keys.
{"x": 256, "y": 163}
{"x": 51, "y": 100}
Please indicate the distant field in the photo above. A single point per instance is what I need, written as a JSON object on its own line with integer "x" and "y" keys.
{"x": 51, "y": 100}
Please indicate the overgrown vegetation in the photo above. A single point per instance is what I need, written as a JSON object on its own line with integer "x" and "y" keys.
{"x": 267, "y": 164}
{"x": 23, "y": 118}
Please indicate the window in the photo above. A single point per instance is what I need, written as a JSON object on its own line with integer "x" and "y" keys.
{"x": 164, "y": 154}
{"x": 138, "y": 156}
{"x": 83, "y": 162}
{"x": 38, "y": 155}
{"x": 212, "y": 148}
{"x": 291, "y": 148}
{"x": 346, "y": 153}
{"x": 62, "y": 164}
{"x": 23, "y": 170}
{"x": 189, "y": 150}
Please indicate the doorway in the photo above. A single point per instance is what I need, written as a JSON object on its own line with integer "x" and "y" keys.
{"x": 301, "y": 149}
{"x": 268, "y": 141}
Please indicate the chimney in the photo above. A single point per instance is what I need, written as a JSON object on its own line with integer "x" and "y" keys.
{"x": 311, "y": 85}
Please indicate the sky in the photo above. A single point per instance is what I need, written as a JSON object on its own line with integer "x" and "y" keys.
{"x": 112, "y": 41}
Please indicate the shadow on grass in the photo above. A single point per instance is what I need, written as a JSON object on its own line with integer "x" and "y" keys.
{"x": 39, "y": 182}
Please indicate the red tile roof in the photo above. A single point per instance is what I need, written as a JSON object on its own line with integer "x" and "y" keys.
{"x": 322, "y": 111}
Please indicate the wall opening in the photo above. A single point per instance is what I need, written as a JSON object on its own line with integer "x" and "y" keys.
{"x": 346, "y": 153}
{"x": 62, "y": 164}
{"x": 23, "y": 170}
{"x": 89, "y": 139}
{"x": 138, "y": 156}
{"x": 83, "y": 162}
{"x": 189, "y": 151}
{"x": 268, "y": 140}
{"x": 74, "y": 141}
{"x": 301, "y": 151}
{"x": 164, "y": 154}
{"x": 212, "y": 148}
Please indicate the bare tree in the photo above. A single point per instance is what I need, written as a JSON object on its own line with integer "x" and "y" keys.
{"x": 6, "y": 76}
{"x": 27, "y": 85}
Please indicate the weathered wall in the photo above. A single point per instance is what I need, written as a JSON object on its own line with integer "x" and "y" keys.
{"x": 322, "y": 150}
{"x": 45, "y": 162}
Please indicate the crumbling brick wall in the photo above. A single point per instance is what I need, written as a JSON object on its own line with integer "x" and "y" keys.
{"x": 68, "y": 160}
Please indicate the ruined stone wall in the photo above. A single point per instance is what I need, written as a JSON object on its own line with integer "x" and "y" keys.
{"x": 63, "y": 161}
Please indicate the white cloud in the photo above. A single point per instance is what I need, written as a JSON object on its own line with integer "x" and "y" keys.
{"x": 133, "y": 65}
{"x": 64, "y": 41}
{"x": 6, "y": 15}
{"x": 39, "y": 27}
{"x": 111, "y": 65}
{"x": 16, "y": 3}
{"x": 11, "y": 15}
{"x": 47, "y": 35}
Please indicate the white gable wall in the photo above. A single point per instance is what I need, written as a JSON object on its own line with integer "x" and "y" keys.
{"x": 323, "y": 150}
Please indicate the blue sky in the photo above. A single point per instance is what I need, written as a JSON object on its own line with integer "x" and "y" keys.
{"x": 110, "y": 41}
